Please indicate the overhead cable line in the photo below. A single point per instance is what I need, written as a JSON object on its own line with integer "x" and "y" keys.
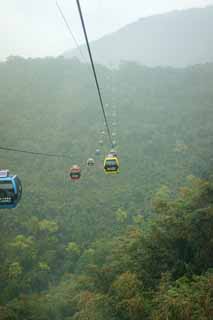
{"x": 94, "y": 71}
{"x": 70, "y": 31}
{"x": 36, "y": 153}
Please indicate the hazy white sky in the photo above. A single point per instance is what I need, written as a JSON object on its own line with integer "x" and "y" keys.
{"x": 33, "y": 28}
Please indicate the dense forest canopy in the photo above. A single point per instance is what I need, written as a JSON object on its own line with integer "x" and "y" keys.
{"x": 132, "y": 246}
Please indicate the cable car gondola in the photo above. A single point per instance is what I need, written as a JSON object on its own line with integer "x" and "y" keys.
{"x": 75, "y": 172}
{"x": 97, "y": 152}
{"x": 113, "y": 153}
{"x": 10, "y": 190}
{"x": 111, "y": 164}
{"x": 113, "y": 143}
{"x": 101, "y": 142}
{"x": 90, "y": 162}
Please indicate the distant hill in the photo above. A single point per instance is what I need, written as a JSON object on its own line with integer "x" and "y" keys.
{"x": 178, "y": 38}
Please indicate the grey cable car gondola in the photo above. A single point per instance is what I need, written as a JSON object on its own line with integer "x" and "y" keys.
{"x": 90, "y": 162}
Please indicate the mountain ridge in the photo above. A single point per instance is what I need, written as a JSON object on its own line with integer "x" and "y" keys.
{"x": 178, "y": 38}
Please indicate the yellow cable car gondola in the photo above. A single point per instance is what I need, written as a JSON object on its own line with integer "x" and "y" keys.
{"x": 111, "y": 164}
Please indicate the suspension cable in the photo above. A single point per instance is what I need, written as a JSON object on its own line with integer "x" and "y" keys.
{"x": 94, "y": 71}
{"x": 37, "y": 153}
{"x": 70, "y": 31}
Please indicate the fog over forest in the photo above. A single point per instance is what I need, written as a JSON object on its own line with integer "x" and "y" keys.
{"x": 133, "y": 245}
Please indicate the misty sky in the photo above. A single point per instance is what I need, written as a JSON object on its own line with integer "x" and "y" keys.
{"x": 33, "y": 28}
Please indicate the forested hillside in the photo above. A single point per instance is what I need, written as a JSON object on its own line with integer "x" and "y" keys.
{"x": 132, "y": 246}
{"x": 177, "y": 39}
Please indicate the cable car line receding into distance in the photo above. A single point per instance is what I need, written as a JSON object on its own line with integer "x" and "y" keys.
{"x": 11, "y": 191}
{"x": 94, "y": 72}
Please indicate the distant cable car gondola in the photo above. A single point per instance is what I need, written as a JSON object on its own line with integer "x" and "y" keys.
{"x": 101, "y": 142}
{"x": 10, "y": 190}
{"x": 113, "y": 153}
{"x": 75, "y": 172}
{"x": 97, "y": 152}
{"x": 113, "y": 143}
{"x": 111, "y": 164}
{"x": 90, "y": 162}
